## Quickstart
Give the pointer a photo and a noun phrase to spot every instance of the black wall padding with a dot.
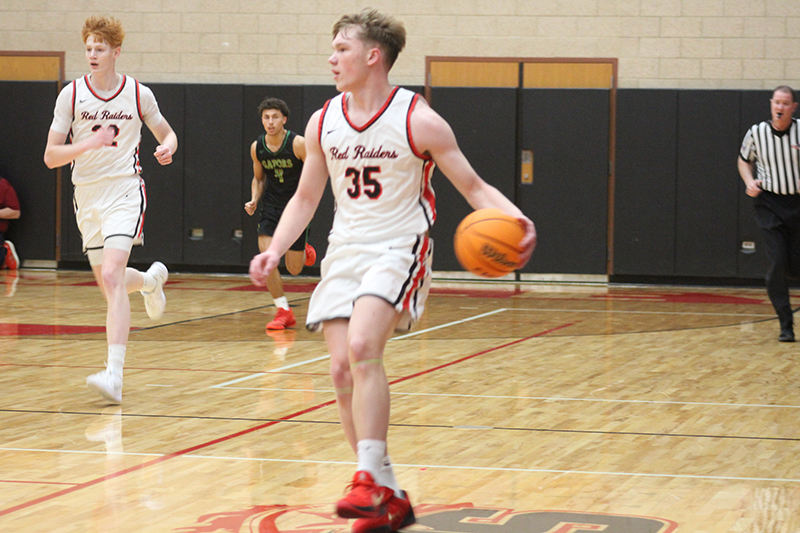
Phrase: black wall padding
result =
(645, 185)
(71, 248)
(484, 123)
(680, 207)
(568, 131)
(755, 108)
(213, 174)
(163, 223)
(25, 116)
(707, 194)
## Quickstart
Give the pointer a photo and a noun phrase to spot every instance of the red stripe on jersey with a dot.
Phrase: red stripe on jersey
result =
(138, 101)
(137, 167)
(121, 87)
(427, 190)
(74, 96)
(408, 129)
(321, 119)
(373, 119)
(423, 253)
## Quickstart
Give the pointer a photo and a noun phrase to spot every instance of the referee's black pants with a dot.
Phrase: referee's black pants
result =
(778, 216)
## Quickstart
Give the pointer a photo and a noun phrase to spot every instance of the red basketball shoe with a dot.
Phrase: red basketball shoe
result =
(284, 318)
(12, 259)
(399, 514)
(311, 255)
(365, 499)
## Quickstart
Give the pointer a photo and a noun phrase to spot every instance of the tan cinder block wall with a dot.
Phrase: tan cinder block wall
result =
(732, 44)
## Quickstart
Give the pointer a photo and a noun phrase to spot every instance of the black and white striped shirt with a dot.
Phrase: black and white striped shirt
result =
(776, 156)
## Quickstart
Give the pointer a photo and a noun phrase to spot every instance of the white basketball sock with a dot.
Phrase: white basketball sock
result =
(282, 302)
(370, 456)
(116, 358)
(386, 476)
(149, 283)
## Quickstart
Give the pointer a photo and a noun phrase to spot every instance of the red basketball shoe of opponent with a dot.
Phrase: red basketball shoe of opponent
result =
(311, 255)
(284, 318)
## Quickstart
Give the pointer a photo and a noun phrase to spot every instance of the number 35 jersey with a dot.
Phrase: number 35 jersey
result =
(81, 110)
(381, 183)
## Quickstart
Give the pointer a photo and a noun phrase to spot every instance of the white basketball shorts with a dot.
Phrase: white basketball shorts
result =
(110, 209)
(398, 270)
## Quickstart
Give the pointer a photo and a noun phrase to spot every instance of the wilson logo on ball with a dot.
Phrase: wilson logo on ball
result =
(496, 256)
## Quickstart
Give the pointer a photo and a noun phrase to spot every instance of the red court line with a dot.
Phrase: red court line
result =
(288, 287)
(506, 345)
(186, 451)
(25, 330)
(157, 460)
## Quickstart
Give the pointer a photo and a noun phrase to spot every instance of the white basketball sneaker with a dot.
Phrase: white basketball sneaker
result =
(108, 384)
(155, 302)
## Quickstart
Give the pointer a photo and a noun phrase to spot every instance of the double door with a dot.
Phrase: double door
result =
(541, 131)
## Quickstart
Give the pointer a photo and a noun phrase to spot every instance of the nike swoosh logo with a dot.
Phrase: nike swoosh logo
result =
(81, 101)
(331, 131)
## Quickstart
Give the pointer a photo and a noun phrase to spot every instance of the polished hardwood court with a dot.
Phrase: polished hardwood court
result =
(528, 407)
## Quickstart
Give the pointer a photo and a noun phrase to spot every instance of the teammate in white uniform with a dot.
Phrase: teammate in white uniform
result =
(102, 113)
(378, 143)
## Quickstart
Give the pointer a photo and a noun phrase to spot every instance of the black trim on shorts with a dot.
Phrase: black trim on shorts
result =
(410, 277)
(314, 326)
(376, 296)
(142, 203)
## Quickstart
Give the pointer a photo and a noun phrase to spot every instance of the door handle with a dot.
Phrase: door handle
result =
(526, 169)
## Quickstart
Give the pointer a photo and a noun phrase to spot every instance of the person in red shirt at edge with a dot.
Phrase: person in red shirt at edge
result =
(9, 210)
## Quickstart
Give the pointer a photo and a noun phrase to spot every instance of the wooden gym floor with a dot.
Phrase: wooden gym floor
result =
(515, 408)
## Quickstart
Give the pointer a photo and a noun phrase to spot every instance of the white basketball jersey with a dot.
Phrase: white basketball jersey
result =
(381, 183)
(122, 111)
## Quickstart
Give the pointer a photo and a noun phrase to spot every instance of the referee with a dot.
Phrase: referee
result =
(772, 148)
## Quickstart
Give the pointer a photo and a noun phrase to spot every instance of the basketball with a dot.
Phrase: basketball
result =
(487, 243)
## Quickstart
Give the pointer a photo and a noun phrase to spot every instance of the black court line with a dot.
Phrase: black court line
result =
(210, 317)
(420, 426)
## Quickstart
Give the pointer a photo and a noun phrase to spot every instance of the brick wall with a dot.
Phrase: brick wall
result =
(751, 44)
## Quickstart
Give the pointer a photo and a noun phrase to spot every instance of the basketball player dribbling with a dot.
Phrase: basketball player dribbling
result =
(103, 113)
(379, 144)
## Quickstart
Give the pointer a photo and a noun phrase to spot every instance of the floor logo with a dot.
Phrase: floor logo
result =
(458, 518)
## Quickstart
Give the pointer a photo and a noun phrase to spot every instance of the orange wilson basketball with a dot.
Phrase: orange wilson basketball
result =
(487, 243)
